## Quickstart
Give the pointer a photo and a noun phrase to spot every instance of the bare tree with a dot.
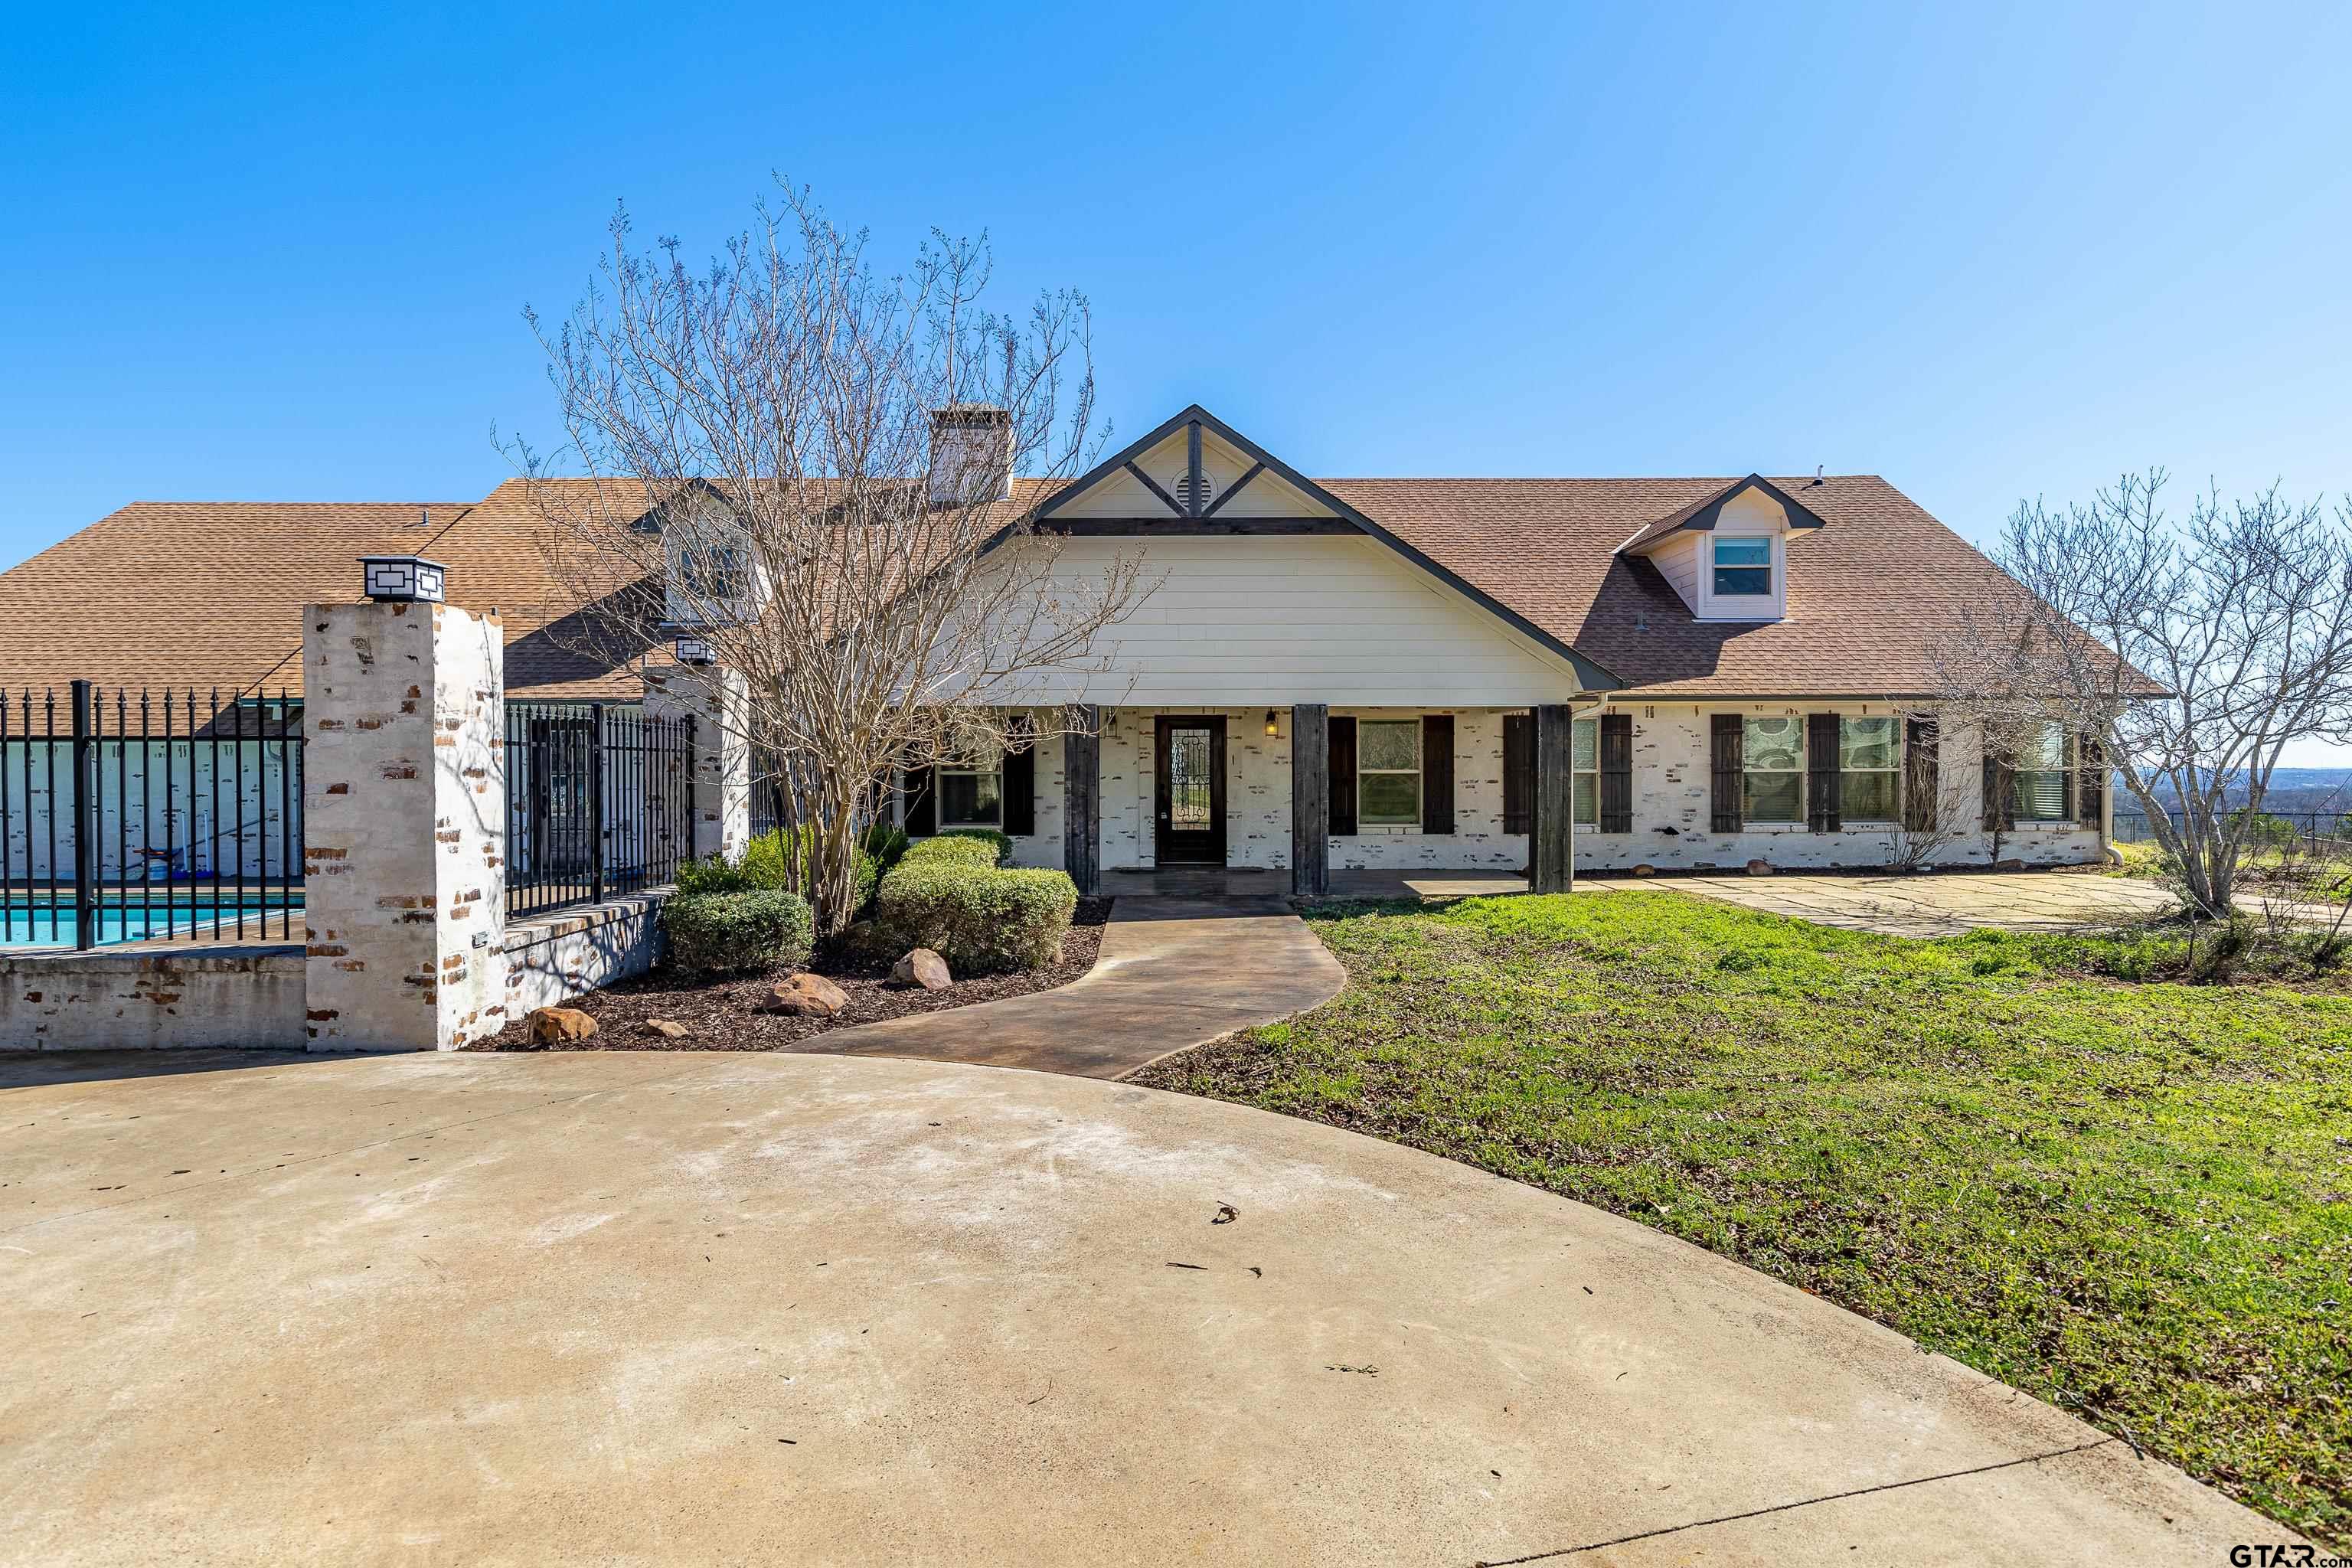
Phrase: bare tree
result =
(2191, 652)
(810, 466)
(1933, 817)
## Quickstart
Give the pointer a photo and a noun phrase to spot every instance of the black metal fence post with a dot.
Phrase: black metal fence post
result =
(596, 807)
(693, 767)
(85, 818)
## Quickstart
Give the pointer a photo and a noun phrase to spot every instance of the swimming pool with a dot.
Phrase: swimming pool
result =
(44, 925)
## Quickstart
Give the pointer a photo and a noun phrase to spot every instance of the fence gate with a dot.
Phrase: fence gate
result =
(141, 815)
(600, 801)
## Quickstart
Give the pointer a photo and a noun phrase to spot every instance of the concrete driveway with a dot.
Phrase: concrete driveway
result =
(837, 1309)
(1945, 905)
(808, 1310)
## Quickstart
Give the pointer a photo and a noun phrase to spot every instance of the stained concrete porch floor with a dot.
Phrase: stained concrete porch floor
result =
(639, 1308)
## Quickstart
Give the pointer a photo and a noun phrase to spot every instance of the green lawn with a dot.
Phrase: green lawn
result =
(2134, 1200)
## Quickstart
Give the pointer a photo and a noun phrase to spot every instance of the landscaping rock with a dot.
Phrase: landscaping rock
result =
(2008, 865)
(1645, 870)
(560, 1026)
(1759, 867)
(668, 1029)
(806, 996)
(924, 968)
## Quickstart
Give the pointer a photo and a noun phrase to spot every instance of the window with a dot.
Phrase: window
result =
(973, 796)
(1774, 764)
(1743, 567)
(1388, 773)
(1870, 751)
(2039, 792)
(1584, 769)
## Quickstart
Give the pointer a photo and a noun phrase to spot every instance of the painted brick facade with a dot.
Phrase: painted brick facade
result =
(405, 822)
(1671, 790)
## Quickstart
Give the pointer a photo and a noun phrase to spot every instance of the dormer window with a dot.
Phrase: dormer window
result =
(1743, 567)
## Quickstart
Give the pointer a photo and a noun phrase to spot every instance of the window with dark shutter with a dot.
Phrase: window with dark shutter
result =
(1616, 773)
(1519, 772)
(1822, 790)
(1343, 776)
(1020, 779)
(1920, 775)
(1726, 752)
(1437, 773)
(2091, 806)
(1999, 782)
(922, 804)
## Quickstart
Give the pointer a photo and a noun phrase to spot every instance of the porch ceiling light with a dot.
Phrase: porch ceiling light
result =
(1271, 727)
(393, 579)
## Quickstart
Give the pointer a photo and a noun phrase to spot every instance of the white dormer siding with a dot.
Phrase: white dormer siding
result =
(1688, 563)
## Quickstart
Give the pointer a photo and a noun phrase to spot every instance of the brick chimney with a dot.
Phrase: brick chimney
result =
(972, 454)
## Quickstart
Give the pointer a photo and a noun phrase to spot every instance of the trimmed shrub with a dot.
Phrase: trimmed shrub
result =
(731, 933)
(712, 874)
(979, 918)
(1003, 846)
(885, 843)
(766, 865)
(949, 849)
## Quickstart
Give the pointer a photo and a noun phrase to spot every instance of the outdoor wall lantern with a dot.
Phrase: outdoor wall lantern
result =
(1272, 728)
(393, 579)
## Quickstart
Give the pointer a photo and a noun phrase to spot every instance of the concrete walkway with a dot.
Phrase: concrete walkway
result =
(1173, 973)
(640, 1307)
(1948, 905)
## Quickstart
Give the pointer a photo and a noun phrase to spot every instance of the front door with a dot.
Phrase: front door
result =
(1192, 793)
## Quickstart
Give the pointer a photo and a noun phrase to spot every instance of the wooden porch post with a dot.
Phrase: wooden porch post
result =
(1552, 860)
(1310, 799)
(1082, 798)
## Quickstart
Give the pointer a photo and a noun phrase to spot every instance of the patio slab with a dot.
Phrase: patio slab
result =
(1951, 904)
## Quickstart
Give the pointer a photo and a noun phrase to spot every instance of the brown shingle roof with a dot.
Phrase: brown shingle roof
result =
(210, 592)
(1865, 591)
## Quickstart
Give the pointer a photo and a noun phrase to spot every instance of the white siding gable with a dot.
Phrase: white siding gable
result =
(1258, 619)
(1120, 494)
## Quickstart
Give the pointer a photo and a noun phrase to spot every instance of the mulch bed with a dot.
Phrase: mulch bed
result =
(724, 1014)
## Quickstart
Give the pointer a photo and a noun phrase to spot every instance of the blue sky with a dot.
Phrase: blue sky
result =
(1986, 251)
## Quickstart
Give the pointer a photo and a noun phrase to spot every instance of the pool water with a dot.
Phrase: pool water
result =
(25, 926)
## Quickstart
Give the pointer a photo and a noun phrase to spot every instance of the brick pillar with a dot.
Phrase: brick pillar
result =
(717, 700)
(403, 826)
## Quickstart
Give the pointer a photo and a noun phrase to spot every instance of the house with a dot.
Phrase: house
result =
(1404, 674)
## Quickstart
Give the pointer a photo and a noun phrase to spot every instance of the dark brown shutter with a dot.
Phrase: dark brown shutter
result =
(2094, 792)
(1437, 773)
(1518, 773)
(1727, 747)
(1999, 810)
(1616, 773)
(1020, 779)
(922, 805)
(1343, 776)
(1920, 775)
(1824, 795)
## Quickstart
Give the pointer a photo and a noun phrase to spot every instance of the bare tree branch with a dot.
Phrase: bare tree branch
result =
(813, 465)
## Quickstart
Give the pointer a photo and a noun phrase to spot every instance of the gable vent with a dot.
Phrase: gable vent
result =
(1180, 487)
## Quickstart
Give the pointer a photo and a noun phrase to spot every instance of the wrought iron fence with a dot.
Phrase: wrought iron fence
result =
(2316, 831)
(143, 816)
(600, 801)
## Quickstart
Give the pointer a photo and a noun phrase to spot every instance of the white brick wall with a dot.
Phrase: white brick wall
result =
(1670, 803)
